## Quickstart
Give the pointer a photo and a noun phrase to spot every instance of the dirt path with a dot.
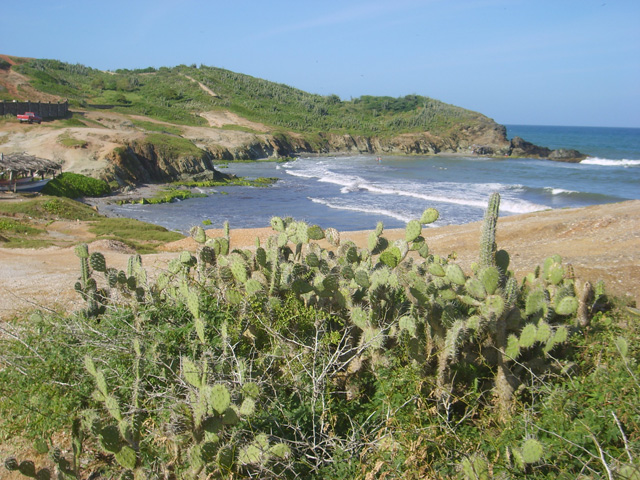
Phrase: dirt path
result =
(601, 242)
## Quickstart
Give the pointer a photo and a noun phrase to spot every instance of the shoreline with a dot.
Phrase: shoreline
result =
(601, 242)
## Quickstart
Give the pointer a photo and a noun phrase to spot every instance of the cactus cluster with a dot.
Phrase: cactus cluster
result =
(118, 284)
(389, 294)
(121, 435)
(212, 414)
(393, 292)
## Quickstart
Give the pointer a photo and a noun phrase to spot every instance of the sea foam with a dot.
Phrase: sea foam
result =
(362, 209)
(610, 163)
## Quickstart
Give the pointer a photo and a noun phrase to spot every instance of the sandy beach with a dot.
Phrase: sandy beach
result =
(602, 242)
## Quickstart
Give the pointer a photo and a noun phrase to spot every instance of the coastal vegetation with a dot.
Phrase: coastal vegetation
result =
(186, 189)
(24, 224)
(297, 360)
(68, 141)
(75, 185)
(179, 94)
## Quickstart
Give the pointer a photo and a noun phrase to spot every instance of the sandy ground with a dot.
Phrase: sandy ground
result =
(601, 242)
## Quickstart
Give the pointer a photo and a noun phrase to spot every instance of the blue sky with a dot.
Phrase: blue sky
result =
(536, 62)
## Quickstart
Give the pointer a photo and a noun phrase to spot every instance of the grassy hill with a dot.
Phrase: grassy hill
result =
(179, 94)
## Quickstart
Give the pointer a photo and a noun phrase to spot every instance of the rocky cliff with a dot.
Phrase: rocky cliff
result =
(146, 162)
(488, 140)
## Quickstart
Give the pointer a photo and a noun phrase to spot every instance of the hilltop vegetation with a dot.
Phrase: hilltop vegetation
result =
(179, 94)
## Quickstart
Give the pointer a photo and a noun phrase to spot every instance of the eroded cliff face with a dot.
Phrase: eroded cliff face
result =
(144, 162)
(480, 139)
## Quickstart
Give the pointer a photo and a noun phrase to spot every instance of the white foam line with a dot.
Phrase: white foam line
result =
(559, 191)
(350, 184)
(609, 162)
(376, 211)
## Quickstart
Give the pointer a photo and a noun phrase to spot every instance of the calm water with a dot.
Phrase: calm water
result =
(355, 192)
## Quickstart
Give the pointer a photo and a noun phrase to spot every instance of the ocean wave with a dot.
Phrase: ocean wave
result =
(610, 163)
(473, 195)
(559, 191)
(363, 209)
(296, 173)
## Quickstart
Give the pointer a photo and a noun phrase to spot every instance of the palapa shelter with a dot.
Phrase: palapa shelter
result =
(18, 171)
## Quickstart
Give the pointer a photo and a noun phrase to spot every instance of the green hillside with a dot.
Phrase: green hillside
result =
(174, 95)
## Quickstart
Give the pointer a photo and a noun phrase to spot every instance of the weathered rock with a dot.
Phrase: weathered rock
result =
(141, 162)
(567, 155)
(522, 148)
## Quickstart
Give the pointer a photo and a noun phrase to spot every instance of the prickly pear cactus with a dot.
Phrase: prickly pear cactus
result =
(97, 262)
(412, 230)
(333, 236)
(488, 239)
(430, 215)
(198, 234)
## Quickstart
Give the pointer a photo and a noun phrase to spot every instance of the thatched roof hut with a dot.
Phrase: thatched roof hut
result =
(15, 167)
(23, 163)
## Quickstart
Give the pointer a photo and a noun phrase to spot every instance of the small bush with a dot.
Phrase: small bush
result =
(74, 185)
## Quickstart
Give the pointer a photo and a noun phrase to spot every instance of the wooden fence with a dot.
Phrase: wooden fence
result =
(44, 110)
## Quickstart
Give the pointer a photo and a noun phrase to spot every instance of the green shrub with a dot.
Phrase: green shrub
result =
(74, 185)
(49, 208)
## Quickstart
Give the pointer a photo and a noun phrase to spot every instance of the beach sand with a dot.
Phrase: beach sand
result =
(601, 242)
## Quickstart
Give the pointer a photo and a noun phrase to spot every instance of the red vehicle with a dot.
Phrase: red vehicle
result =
(29, 117)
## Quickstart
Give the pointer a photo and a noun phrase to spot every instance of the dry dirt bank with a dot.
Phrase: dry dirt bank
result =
(601, 242)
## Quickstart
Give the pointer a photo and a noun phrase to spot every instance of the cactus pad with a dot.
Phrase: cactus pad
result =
(126, 457)
(412, 231)
(251, 454)
(198, 234)
(280, 450)
(333, 236)
(513, 347)
(430, 215)
(475, 288)
(219, 398)
(372, 241)
(251, 389)
(493, 306)
(567, 306)
(11, 464)
(455, 274)
(536, 301)
(253, 286)
(359, 317)
(408, 324)
(248, 407)
(389, 258)
(490, 278)
(82, 250)
(97, 262)
(362, 278)
(531, 451)
(543, 332)
(436, 269)
(315, 232)
(109, 438)
(527, 336)
(239, 270)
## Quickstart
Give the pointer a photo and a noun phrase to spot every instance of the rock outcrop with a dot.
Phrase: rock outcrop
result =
(522, 148)
(144, 162)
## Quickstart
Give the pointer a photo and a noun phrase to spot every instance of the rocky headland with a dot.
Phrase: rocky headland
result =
(131, 148)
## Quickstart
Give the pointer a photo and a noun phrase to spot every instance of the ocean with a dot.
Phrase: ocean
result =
(355, 192)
